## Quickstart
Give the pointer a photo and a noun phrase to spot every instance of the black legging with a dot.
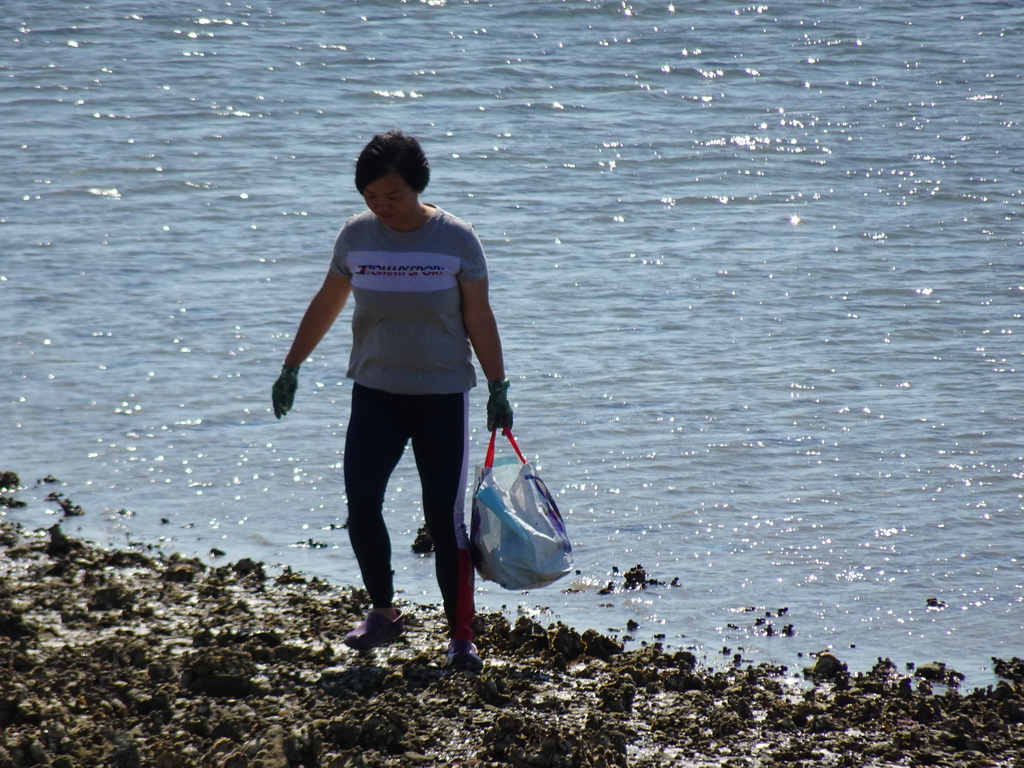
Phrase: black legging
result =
(380, 427)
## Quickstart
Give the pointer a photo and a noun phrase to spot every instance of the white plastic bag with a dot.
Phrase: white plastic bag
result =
(517, 536)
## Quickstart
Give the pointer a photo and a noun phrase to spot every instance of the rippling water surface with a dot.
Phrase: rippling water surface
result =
(757, 267)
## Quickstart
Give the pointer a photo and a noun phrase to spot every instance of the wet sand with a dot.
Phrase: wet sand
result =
(131, 658)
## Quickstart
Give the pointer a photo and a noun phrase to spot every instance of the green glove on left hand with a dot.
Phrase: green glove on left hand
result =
(284, 389)
(499, 412)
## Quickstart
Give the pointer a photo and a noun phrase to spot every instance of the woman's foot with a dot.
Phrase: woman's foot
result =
(463, 655)
(377, 630)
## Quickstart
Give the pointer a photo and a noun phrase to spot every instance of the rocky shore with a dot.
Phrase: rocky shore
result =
(129, 658)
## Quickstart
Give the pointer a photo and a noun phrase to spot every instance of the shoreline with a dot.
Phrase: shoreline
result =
(130, 658)
(771, 631)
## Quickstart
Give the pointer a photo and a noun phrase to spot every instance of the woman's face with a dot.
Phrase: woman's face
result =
(395, 203)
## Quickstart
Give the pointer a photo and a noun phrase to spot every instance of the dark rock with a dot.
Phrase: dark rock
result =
(600, 646)
(115, 597)
(9, 481)
(637, 578)
(221, 673)
(246, 567)
(937, 672)
(826, 667)
(1012, 670)
(424, 542)
(60, 545)
(13, 624)
(68, 507)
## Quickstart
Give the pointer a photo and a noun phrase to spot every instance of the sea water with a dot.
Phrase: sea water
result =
(757, 267)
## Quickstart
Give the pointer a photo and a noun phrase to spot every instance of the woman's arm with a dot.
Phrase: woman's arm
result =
(323, 310)
(482, 329)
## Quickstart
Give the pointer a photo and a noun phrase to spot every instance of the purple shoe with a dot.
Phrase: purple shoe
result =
(463, 655)
(375, 631)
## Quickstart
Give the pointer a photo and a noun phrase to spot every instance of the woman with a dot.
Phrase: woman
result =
(418, 278)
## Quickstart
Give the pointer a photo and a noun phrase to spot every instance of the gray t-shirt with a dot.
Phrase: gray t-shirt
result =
(407, 332)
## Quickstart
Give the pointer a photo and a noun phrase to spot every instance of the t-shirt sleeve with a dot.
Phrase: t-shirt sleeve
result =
(474, 263)
(339, 262)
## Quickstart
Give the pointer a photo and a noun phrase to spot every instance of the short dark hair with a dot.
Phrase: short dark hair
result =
(393, 152)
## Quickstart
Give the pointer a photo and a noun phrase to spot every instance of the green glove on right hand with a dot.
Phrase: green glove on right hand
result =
(284, 389)
(499, 412)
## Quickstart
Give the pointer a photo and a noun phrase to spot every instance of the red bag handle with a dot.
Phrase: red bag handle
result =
(489, 458)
